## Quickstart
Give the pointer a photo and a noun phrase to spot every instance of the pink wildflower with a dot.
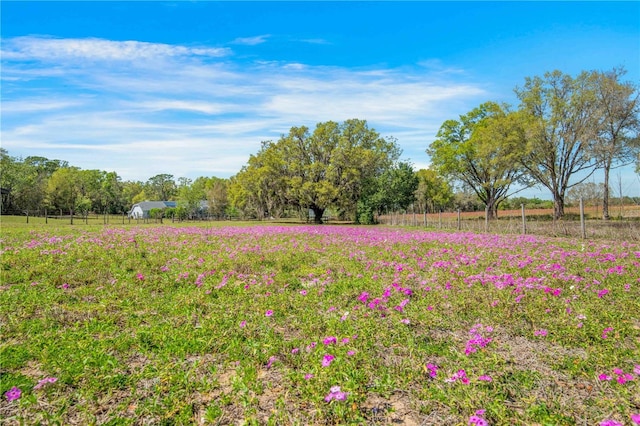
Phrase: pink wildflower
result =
(478, 419)
(542, 332)
(44, 381)
(610, 422)
(459, 375)
(335, 393)
(432, 369)
(13, 394)
(327, 359)
(329, 340)
(635, 418)
(271, 361)
(268, 313)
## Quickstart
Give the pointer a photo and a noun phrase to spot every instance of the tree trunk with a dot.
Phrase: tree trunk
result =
(317, 214)
(605, 197)
(491, 208)
(558, 205)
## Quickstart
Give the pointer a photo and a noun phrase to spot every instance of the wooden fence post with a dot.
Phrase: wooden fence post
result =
(582, 224)
(524, 220)
(486, 219)
(458, 219)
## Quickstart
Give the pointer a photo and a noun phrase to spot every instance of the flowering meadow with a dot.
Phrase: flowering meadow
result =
(315, 325)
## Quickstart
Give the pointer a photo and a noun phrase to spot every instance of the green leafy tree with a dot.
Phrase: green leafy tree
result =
(433, 192)
(393, 190)
(480, 150)
(112, 193)
(398, 186)
(618, 138)
(90, 185)
(64, 189)
(10, 177)
(161, 187)
(190, 196)
(133, 192)
(330, 167)
(562, 128)
(26, 180)
(259, 189)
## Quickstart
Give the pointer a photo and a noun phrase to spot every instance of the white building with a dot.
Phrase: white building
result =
(141, 210)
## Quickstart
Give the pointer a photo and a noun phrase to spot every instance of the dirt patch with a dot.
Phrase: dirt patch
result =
(398, 409)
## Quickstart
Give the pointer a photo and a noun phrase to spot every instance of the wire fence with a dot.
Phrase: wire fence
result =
(577, 223)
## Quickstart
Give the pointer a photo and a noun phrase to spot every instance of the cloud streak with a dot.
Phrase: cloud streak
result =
(251, 41)
(55, 49)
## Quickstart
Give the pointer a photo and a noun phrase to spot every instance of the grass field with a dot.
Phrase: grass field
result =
(315, 325)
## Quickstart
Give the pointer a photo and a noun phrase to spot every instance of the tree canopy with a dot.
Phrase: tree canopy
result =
(562, 129)
(481, 150)
(329, 167)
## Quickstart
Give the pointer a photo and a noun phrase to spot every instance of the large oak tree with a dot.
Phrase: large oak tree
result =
(329, 167)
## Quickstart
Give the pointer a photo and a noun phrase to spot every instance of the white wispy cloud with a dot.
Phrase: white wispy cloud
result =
(200, 113)
(251, 41)
(36, 105)
(55, 49)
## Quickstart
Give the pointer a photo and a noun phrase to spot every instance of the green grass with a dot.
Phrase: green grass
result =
(168, 325)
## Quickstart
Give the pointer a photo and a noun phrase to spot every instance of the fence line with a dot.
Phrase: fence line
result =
(521, 221)
(532, 222)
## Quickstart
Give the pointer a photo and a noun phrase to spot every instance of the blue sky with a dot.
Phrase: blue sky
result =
(192, 88)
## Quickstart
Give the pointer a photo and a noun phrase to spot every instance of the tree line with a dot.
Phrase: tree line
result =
(36, 183)
(564, 129)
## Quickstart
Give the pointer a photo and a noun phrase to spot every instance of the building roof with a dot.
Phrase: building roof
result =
(148, 205)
